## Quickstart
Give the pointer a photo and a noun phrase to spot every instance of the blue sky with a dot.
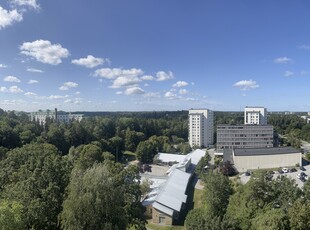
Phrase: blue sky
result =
(144, 55)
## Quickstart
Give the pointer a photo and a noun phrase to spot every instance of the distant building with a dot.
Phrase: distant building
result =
(62, 117)
(244, 136)
(255, 116)
(201, 130)
(264, 158)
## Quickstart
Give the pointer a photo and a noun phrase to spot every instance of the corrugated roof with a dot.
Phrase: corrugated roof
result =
(264, 151)
(163, 208)
(196, 155)
(169, 157)
(173, 194)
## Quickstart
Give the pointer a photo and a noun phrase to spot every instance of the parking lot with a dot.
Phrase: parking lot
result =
(293, 175)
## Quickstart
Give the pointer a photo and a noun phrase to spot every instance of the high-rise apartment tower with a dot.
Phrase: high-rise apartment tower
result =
(255, 116)
(201, 127)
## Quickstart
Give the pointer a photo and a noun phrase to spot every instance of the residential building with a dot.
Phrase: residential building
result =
(244, 136)
(42, 116)
(264, 158)
(201, 127)
(255, 116)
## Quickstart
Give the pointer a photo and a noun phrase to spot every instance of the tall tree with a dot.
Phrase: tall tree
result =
(102, 197)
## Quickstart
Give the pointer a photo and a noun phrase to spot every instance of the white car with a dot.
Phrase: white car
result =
(306, 177)
(285, 170)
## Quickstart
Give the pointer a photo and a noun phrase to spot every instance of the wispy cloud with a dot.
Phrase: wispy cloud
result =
(57, 97)
(33, 82)
(44, 51)
(28, 3)
(3, 66)
(68, 85)
(90, 61)
(11, 79)
(33, 70)
(282, 60)
(288, 73)
(183, 91)
(304, 72)
(304, 47)
(7, 17)
(246, 84)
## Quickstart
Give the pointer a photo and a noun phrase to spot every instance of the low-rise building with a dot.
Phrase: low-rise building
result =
(171, 200)
(42, 116)
(263, 158)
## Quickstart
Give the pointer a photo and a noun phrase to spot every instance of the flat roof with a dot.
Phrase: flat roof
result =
(264, 151)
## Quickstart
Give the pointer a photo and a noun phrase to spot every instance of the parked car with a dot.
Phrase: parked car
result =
(285, 170)
(301, 175)
(247, 173)
(293, 170)
(306, 177)
(302, 168)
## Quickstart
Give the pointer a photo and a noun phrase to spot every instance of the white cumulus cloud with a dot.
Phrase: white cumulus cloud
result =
(134, 90)
(3, 66)
(68, 85)
(180, 84)
(147, 78)
(44, 51)
(11, 79)
(170, 95)
(30, 94)
(282, 60)
(163, 76)
(125, 81)
(110, 73)
(90, 61)
(246, 84)
(7, 18)
(15, 89)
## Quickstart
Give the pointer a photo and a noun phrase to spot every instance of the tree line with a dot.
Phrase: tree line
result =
(262, 203)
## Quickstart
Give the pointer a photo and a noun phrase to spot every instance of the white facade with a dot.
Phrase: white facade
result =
(41, 116)
(265, 158)
(201, 127)
(255, 116)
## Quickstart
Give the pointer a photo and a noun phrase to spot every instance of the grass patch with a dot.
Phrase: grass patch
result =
(129, 156)
(152, 226)
(198, 198)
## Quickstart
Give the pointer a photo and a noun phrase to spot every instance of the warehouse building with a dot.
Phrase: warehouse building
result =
(264, 158)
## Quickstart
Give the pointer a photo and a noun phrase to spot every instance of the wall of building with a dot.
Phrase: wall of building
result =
(255, 115)
(157, 217)
(201, 128)
(244, 136)
(243, 163)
